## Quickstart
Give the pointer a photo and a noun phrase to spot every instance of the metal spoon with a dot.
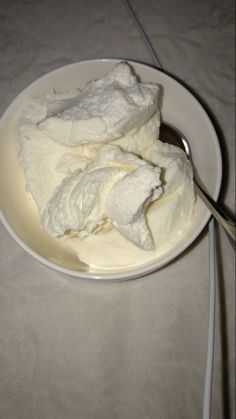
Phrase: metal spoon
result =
(174, 136)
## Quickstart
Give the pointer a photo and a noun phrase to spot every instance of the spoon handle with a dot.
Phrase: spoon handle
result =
(227, 224)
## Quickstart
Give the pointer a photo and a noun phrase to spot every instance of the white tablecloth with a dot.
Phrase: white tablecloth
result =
(75, 349)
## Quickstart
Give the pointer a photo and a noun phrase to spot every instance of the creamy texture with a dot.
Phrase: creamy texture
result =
(117, 187)
(108, 108)
(98, 174)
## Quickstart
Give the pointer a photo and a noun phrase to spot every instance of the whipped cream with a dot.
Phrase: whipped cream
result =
(107, 109)
(117, 187)
(102, 182)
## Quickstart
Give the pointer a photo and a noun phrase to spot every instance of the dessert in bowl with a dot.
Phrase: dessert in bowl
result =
(87, 188)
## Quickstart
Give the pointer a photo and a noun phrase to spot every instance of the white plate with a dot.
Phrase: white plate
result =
(178, 106)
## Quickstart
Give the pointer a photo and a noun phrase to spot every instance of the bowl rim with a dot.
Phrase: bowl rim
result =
(149, 267)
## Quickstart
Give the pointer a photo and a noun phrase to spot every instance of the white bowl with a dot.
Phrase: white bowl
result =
(178, 106)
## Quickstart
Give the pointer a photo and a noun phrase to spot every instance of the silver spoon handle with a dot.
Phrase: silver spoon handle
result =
(228, 225)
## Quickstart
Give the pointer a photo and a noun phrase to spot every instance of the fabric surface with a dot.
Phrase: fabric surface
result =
(75, 349)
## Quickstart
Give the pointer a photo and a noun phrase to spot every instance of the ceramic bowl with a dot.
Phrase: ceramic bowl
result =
(179, 107)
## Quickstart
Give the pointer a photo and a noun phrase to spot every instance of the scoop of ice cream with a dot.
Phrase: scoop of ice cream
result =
(117, 187)
(107, 109)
